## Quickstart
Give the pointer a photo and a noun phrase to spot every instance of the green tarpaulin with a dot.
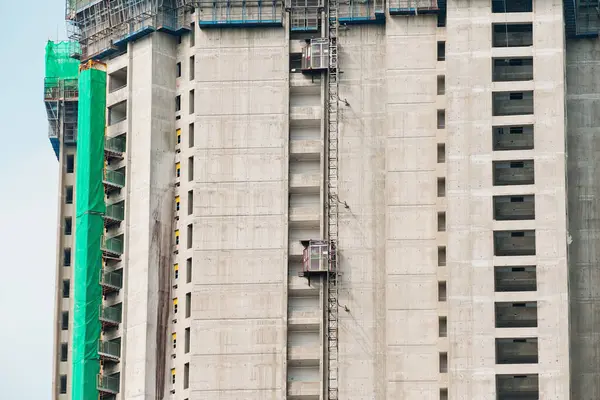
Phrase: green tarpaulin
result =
(90, 207)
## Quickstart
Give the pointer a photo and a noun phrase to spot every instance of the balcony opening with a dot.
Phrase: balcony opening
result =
(514, 208)
(441, 153)
(518, 172)
(441, 84)
(443, 394)
(514, 243)
(515, 279)
(191, 102)
(442, 291)
(188, 305)
(517, 387)
(517, 351)
(512, 103)
(512, 6)
(512, 69)
(186, 343)
(512, 35)
(516, 315)
(443, 363)
(190, 168)
(186, 376)
(117, 80)
(441, 222)
(441, 119)
(192, 68)
(443, 327)
(117, 113)
(191, 135)
(441, 187)
(513, 137)
(188, 270)
(190, 235)
(441, 51)
(441, 256)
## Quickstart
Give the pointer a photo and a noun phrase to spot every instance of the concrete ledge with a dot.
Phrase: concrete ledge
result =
(306, 148)
(301, 113)
(307, 390)
(307, 355)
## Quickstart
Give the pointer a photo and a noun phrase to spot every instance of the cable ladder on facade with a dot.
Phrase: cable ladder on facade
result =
(333, 202)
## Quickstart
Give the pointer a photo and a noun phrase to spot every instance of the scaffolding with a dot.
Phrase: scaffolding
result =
(305, 15)
(587, 18)
(61, 93)
(413, 7)
(240, 13)
(361, 12)
(104, 27)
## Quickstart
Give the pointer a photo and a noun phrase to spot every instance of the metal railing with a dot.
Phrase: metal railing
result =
(112, 314)
(115, 211)
(108, 383)
(111, 278)
(114, 177)
(115, 144)
(110, 348)
(114, 245)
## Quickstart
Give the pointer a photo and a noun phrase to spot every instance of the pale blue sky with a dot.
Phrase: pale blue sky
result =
(28, 201)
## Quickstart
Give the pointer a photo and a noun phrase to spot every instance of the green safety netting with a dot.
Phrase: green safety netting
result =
(90, 207)
(59, 63)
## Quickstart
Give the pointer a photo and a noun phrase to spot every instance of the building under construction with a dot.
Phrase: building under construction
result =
(327, 199)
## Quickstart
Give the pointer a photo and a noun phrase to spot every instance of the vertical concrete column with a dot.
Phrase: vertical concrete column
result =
(150, 145)
(361, 180)
(410, 197)
(240, 214)
(470, 251)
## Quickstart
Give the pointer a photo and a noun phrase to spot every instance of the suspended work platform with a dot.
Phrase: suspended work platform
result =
(241, 13)
(413, 7)
(354, 12)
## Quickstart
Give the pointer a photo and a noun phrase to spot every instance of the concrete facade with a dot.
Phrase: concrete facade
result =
(225, 172)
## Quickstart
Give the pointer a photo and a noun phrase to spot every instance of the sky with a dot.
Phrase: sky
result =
(28, 200)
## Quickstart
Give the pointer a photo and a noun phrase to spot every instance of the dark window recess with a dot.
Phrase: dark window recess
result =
(188, 305)
(512, 69)
(64, 352)
(67, 257)
(64, 320)
(296, 62)
(514, 243)
(66, 288)
(178, 103)
(513, 208)
(513, 172)
(516, 315)
(70, 161)
(512, 35)
(516, 96)
(517, 387)
(69, 195)
(512, 6)
(192, 68)
(178, 69)
(191, 135)
(512, 137)
(63, 384)
(515, 279)
(441, 51)
(68, 225)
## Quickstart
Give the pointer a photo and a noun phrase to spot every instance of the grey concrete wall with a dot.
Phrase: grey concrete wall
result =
(583, 101)
(410, 213)
(150, 179)
(362, 226)
(471, 259)
(240, 215)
